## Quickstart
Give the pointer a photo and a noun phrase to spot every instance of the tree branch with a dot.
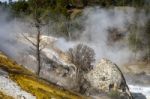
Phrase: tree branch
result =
(28, 40)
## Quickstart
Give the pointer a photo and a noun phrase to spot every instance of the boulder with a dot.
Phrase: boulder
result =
(105, 76)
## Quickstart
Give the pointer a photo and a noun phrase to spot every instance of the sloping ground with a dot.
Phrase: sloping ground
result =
(4, 96)
(32, 84)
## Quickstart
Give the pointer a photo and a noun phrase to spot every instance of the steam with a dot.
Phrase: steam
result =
(8, 41)
(96, 23)
(10, 31)
(96, 32)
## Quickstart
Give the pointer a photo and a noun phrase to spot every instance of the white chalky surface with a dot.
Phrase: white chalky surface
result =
(145, 90)
(7, 86)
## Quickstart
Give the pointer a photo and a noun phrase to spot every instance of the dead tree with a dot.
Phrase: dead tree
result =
(38, 49)
(127, 90)
(83, 58)
(37, 23)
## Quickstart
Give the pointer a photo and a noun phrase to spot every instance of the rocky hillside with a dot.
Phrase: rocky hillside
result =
(16, 82)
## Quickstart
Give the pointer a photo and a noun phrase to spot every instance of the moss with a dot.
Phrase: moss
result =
(41, 89)
(114, 95)
(3, 96)
(33, 84)
(117, 95)
(12, 66)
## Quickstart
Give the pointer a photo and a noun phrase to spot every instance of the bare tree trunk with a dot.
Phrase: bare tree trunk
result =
(123, 3)
(67, 28)
(148, 56)
(38, 50)
(135, 45)
(37, 23)
(126, 86)
(38, 27)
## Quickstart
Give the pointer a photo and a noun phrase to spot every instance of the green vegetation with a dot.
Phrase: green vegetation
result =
(134, 40)
(61, 12)
(114, 95)
(138, 39)
(61, 6)
(64, 12)
(146, 40)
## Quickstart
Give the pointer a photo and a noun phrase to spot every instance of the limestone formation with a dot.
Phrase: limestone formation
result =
(106, 76)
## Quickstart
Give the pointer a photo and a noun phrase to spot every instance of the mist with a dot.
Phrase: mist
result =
(96, 33)
(11, 30)
(96, 23)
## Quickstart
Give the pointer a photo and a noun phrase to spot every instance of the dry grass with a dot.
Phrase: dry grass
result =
(4, 96)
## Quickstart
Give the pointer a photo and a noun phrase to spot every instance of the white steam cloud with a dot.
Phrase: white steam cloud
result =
(96, 28)
(96, 22)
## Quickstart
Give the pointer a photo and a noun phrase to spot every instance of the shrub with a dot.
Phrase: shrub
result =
(114, 95)
(82, 56)
(117, 95)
